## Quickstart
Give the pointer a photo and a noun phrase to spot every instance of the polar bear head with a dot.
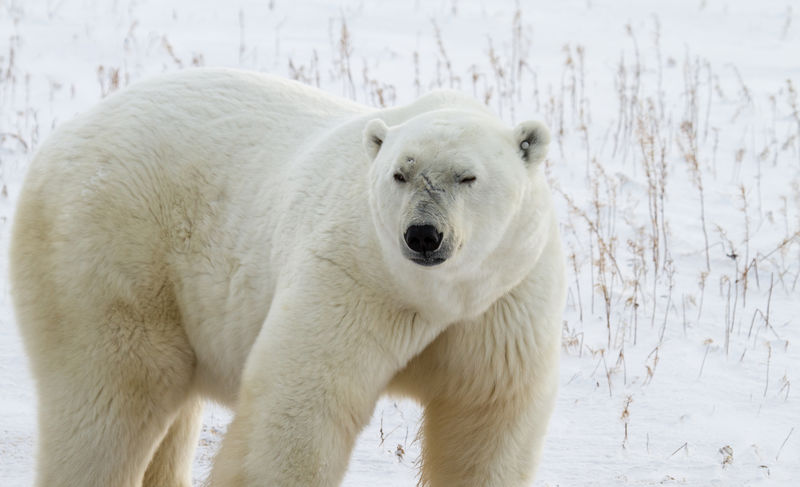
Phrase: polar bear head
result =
(448, 185)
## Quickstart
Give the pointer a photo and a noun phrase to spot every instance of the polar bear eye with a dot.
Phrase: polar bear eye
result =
(399, 177)
(467, 180)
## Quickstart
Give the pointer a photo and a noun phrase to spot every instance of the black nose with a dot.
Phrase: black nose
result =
(423, 238)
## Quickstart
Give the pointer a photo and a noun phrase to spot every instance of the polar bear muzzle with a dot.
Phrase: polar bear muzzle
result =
(424, 245)
(423, 238)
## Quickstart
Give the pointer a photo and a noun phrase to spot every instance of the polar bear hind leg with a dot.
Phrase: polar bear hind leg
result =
(111, 400)
(113, 365)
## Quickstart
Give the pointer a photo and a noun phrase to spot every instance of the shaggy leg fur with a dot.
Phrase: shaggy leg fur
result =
(488, 388)
(171, 466)
(102, 417)
(495, 444)
(309, 387)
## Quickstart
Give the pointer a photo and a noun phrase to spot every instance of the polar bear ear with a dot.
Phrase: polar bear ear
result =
(373, 136)
(532, 140)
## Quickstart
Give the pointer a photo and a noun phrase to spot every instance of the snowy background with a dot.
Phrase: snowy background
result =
(676, 168)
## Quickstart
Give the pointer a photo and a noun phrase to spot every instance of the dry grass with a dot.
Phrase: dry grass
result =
(620, 257)
(666, 148)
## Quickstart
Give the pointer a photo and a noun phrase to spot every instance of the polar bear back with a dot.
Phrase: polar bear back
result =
(191, 190)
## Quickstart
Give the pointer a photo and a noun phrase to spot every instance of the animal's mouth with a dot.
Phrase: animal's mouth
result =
(427, 261)
(429, 258)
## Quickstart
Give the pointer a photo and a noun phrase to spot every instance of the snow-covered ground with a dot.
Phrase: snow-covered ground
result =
(676, 164)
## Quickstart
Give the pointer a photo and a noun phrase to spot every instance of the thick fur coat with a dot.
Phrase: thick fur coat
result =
(234, 236)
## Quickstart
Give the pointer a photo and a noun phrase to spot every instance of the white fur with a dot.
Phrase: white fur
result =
(227, 235)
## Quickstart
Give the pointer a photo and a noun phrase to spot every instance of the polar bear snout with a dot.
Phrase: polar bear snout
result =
(424, 245)
(423, 238)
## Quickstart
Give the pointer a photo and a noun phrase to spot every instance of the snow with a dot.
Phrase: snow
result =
(684, 375)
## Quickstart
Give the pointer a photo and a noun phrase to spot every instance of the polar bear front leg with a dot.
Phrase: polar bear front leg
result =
(309, 386)
(488, 388)
(490, 444)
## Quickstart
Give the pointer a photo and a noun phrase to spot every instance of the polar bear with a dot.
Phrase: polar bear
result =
(225, 235)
